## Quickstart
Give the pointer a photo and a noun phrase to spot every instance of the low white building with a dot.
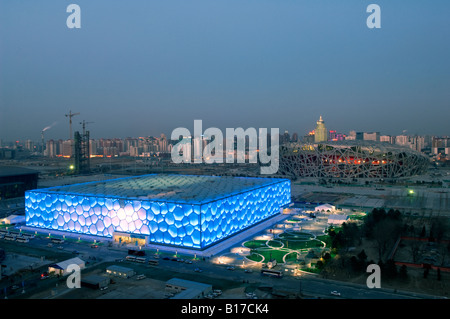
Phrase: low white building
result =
(120, 271)
(61, 267)
(186, 289)
(325, 208)
(13, 219)
(337, 219)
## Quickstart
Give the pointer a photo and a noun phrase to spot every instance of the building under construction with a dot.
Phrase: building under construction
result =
(81, 153)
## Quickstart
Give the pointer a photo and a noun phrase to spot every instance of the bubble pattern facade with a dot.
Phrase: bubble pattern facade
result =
(191, 225)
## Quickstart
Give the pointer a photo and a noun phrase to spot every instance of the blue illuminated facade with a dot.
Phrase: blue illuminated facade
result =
(197, 214)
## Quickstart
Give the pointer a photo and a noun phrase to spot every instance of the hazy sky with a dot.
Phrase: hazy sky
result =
(139, 68)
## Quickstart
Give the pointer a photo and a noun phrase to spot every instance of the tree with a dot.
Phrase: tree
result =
(337, 241)
(319, 264)
(423, 232)
(394, 214)
(362, 255)
(390, 269)
(381, 264)
(331, 232)
(439, 227)
(403, 274)
(385, 233)
(415, 249)
(355, 263)
(378, 214)
(350, 232)
(411, 230)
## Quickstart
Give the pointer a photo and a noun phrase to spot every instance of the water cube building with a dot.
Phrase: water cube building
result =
(179, 210)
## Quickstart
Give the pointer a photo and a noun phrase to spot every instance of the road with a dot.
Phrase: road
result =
(309, 285)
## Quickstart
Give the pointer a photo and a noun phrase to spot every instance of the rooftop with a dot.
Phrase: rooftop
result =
(64, 264)
(15, 170)
(358, 145)
(119, 268)
(192, 288)
(193, 189)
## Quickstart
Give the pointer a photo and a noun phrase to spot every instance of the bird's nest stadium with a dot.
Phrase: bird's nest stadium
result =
(350, 159)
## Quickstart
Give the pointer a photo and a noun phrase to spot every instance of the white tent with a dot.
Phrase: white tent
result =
(14, 219)
(337, 219)
(324, 208)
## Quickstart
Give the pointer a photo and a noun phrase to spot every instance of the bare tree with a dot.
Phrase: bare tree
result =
(414, 249)
(385, 234)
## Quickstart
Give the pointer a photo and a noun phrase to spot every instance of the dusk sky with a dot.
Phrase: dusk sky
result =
(141, 68)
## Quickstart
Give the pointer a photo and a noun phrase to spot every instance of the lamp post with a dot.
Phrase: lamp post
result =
(300, 285)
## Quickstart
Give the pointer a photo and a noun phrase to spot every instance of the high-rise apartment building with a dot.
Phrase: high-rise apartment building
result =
(387, 139)
(320, 133)
(67, 148)
(371, 136)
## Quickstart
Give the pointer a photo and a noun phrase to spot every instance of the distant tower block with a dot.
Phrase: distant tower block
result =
(320, 133)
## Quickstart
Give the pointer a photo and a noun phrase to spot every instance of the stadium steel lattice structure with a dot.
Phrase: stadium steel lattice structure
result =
(350, 159)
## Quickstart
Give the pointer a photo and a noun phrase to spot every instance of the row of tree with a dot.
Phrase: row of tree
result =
(384, 228)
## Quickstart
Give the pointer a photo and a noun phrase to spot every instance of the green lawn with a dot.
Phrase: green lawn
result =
(294, 241)
(356, 217)
(252, 244)
(296, 245)
(326, 239)
(255, 257)
(275, 243)
(274, 253)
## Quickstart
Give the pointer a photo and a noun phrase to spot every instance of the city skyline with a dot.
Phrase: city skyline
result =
(331, 134)
(145, 68)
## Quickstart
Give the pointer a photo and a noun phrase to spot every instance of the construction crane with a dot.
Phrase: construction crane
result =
(84, 123)
(70, 115)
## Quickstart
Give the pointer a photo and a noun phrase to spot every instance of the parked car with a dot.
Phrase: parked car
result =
(335, 293)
